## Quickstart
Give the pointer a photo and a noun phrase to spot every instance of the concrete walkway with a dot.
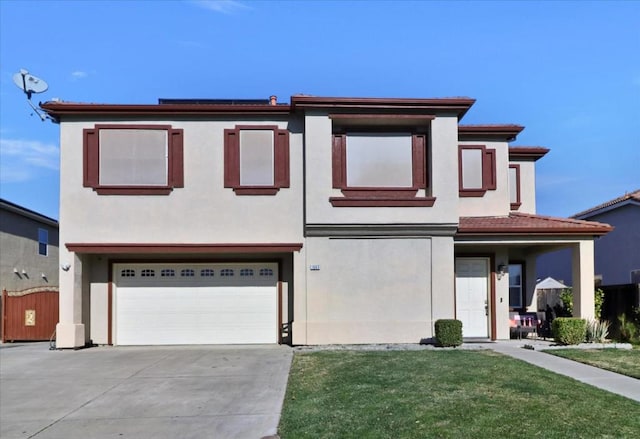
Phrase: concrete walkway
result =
(603, 379)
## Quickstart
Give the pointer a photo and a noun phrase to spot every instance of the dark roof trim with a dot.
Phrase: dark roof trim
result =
(167, 101)
(28, 213)
(124, 248)
(529, 153)
(58, 109)
(430, 105)
(506, 132)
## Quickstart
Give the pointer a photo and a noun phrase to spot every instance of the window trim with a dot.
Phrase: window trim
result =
(489, 182)
(45, 242)
(281, 171)
(522, 286)
(356, 196)
(518, 203)
(91, 161)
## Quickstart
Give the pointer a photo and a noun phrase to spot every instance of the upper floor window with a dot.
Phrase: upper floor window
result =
(380, 169)
(476, 170)
(133, 159)
(256, 159)
(514, 187)
(43, 242)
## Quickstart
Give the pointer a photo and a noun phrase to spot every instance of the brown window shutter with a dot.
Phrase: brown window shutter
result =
(91, 157)
(419, 161)
(176, 157)
(489, 170)
(281, 159)
(231, 158)
(338, 164)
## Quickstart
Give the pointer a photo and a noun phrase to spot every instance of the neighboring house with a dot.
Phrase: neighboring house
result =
(617, 255)
(28, 248)
(28, 273)
(326, 220)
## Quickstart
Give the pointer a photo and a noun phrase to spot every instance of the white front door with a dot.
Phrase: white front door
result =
(472, 287)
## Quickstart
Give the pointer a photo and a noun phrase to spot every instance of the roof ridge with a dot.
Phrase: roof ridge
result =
(557, 218)
(627, 196)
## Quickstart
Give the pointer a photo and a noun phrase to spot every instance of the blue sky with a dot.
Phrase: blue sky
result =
(568, 71)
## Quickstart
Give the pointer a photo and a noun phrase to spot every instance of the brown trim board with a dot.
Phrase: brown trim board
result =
(123, 248)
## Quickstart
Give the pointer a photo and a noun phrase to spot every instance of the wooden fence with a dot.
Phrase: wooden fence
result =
(29, 315)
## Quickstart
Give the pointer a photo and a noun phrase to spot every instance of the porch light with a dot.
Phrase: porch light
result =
(502, 270)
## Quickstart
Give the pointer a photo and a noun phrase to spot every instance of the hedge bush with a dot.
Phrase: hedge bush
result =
(569, 330)
(448, 332)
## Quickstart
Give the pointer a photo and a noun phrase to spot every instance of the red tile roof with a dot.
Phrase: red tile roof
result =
(633, 196)
(521, 224)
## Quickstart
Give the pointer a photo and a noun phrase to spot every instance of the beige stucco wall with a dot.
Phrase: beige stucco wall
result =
(201, 212)
(368, 290)
(444, 156)
(501, 305)
(97, 296)
(527, 185)
(493, 202)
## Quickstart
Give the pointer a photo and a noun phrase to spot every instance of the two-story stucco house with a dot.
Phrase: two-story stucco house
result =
(29, 248)
(325, 220)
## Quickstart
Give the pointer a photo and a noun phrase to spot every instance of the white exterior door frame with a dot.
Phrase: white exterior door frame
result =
(474, 295)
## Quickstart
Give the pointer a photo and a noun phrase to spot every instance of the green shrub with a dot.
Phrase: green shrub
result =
(597, 331)
(567, 301)
(569, 330)
(598, 301)
(448, 332)
(628, 329)
(566, 296)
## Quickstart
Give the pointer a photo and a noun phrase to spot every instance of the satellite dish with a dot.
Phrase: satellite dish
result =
(30, 84)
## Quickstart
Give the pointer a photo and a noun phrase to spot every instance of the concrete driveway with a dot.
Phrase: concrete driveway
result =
(142, 392)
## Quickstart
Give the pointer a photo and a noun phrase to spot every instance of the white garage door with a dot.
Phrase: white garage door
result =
(164, 304)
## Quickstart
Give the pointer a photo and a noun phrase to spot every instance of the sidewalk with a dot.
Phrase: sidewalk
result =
(603, 379)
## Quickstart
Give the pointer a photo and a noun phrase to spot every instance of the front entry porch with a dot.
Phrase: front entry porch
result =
(508, 248)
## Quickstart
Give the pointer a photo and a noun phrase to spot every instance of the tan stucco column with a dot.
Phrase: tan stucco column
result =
(443, 304)
(70, 329)
(502, 296)
(583, 282)
(299, 324)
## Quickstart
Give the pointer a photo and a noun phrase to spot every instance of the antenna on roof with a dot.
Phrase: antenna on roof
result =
(30, 84)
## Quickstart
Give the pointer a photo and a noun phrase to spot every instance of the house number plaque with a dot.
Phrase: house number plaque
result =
(30, 317)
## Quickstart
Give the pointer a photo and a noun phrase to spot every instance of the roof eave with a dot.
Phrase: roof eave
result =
(527, 153)
(506, 132)
(459, 105)
(528, 232)
(59, 109)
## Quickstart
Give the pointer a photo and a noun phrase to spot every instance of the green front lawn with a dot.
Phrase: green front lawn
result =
(444, 394)
(626, 362)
